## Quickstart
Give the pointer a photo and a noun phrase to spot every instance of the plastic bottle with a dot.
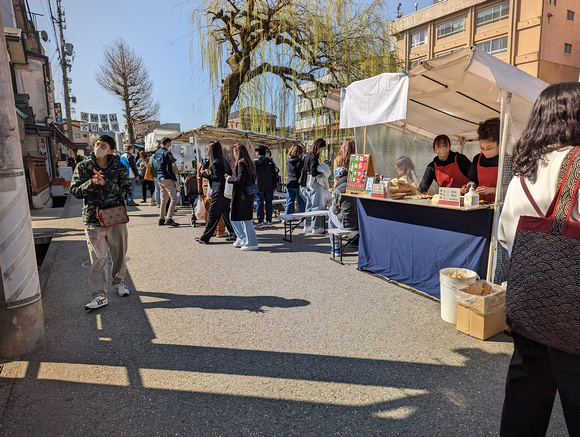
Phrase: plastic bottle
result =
(471, 198)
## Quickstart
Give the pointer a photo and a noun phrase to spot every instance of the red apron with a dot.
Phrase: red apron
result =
(450, 176)
(487, 176)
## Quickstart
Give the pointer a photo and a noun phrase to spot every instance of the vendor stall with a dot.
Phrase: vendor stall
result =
(410, 240)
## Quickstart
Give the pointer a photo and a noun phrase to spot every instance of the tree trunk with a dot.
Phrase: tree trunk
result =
(229, 93)
(129, 121)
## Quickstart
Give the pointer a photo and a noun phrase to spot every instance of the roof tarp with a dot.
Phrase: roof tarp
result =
(212, 133)
(446, 95)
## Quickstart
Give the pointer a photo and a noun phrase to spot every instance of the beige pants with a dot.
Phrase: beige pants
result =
(168, 191)
(100, 242)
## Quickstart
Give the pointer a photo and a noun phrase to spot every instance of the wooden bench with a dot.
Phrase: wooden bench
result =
(340, 239)
(292, 221)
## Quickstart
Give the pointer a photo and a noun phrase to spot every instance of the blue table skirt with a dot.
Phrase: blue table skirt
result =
(412, 243)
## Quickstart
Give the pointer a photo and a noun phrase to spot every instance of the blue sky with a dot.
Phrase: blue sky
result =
(160, 31)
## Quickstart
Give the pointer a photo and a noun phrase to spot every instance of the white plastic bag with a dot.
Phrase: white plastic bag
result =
(200, 210)
(228, 190)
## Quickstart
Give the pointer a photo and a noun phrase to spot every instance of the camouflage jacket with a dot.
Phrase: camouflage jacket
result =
(117, 186)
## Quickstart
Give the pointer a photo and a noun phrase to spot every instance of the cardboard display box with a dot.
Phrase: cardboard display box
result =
(480, 310)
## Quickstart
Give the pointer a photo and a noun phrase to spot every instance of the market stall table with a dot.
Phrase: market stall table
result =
(411, 240)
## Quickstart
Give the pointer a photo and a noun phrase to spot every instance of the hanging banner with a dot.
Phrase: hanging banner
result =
(85, 116)
(94, 118)
(104, 118)
(84, 127)
(94, 127)
(115, 127)
(105, 126)
(113, 118)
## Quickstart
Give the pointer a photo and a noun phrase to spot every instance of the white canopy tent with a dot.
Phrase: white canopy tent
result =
(446, 95)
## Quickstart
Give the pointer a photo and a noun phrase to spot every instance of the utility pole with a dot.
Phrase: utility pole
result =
(21, 315)
(64, 65)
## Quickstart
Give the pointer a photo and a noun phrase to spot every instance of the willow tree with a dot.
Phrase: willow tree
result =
(248, 45)
(123, 73)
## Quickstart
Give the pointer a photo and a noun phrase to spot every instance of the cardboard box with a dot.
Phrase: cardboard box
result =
(480, 310)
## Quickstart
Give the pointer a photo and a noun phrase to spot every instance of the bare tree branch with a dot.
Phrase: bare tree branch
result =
(122, 73)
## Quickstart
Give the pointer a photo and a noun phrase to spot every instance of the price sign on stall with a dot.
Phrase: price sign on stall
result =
(450, 196)
(361, 167)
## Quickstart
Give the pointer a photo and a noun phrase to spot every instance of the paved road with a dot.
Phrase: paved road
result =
(216, 341)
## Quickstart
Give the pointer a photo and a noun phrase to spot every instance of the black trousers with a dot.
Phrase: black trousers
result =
(535, 373)
(148, 185)
(219, 206)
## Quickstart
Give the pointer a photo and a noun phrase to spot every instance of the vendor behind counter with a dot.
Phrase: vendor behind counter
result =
(449, 169)
(485, 164)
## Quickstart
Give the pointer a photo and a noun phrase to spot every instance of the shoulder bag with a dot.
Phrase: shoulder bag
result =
(112, 216)
(543, 286)
(253, 189)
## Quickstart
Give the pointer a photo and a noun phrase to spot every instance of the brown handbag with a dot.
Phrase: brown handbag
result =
(112, 216)
(148, 173)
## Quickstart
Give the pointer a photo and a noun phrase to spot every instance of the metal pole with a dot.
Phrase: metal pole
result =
(64, 65)
(21, 315)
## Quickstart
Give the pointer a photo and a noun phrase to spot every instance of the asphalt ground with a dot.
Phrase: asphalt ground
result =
(214, 341)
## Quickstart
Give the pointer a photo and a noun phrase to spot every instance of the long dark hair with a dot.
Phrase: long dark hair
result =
(406, 164)
(244, 156)
(347, 149)
(216, 153)
(554, 123)
(317, 147)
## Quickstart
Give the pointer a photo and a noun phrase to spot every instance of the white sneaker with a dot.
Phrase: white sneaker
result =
(246, 247)
(239, 242)
(318, 230)
(97, 302)
(122, 290)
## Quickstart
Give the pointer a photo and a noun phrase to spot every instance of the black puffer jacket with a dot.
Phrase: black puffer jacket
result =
(266, 174)
(294, 168)
(344, 207)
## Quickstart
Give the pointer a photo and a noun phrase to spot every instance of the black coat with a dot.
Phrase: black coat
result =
(217, 177)
(242, 202)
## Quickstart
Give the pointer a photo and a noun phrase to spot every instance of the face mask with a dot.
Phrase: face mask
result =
(100, 153)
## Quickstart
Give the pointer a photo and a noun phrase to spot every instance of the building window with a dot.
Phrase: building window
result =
(416, 62)
(568, 48)
(494, 47)
(493, 14)
(552, 2)
(451, 28)
(570, 15)
(419, 38)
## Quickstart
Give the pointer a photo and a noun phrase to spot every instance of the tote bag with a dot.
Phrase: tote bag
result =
(543, 286)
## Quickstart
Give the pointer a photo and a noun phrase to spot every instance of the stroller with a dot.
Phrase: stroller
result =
(191, 194)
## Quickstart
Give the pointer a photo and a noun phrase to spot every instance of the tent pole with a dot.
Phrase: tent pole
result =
(365, 142)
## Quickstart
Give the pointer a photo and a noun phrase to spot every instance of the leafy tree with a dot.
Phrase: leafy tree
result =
(293, 41)
(122, 73)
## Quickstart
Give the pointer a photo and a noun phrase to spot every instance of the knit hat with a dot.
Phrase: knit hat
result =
(340, 172)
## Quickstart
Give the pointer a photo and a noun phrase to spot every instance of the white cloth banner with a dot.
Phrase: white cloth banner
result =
(379, 99)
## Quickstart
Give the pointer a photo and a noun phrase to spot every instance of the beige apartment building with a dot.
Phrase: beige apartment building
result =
(540, 37)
